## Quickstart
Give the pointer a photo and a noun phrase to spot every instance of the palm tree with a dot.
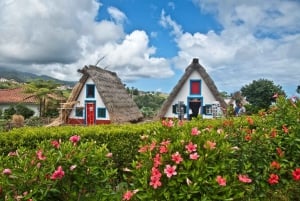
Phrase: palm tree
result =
(43, 90)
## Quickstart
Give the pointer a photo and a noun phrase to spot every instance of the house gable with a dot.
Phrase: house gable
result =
(195, 85)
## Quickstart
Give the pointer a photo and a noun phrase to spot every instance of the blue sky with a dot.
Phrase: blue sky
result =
(149, 43)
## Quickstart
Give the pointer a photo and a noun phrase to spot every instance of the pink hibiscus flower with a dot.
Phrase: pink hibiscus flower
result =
(170, 170)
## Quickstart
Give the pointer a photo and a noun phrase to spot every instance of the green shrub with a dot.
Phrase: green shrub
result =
(59, 170)
(241, 158)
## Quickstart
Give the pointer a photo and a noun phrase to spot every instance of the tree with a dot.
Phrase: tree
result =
(24, 111)
(298, 89)
(42, 90)
(260, 93)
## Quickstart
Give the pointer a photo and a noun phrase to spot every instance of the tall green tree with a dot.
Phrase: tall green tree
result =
(42, 90)
(260, 93)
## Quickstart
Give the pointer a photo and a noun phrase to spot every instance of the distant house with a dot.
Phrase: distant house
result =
(195, 94)
(99, 98)
(12, 97)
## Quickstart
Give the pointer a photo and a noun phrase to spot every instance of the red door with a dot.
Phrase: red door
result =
(90, 113)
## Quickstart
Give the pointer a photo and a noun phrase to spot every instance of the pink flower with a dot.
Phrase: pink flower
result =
(165, 142)
(127, 195)
(155, 183)
(244, 178)
(163, 149)
(13, 153)
(73, 167)
(75, 139)
(195, 131)
(143, 149)
(191, 147)
(296, 174)
(157, 160)
(55, 144)
(109, 155)
(58, 173)
(155, 178)
(209, 145)
(40, 156)
(194, 156)
(221, 181)
(177, 158)
(170, 170)
(7, 171)
(273, 179)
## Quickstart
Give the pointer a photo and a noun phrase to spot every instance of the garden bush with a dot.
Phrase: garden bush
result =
(236, 158)
(59, 170)
(244, 158)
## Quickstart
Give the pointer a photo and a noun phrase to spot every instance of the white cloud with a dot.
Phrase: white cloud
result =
(260, 39)
(58, 37)
(117, 15)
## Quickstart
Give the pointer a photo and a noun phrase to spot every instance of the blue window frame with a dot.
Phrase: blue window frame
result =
(101, 112)
(90, 91)
(79, 111)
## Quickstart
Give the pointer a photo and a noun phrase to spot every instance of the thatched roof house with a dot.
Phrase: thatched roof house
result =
(99, 98)
(194, 94)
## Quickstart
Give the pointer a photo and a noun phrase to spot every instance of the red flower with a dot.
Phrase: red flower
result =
(58, 173)
(221, 181)
(250, 120)
(275, 165)
(285, 129)
(127, 195)
(40, 156)
(75, 139)
(170, 170)
(244, 178)
(177, 158)
(296, 174)
(195, 131)
(248, 137)
(55, 144)
(191, 147)
(280, 152)
(273, 179)
(273, 132)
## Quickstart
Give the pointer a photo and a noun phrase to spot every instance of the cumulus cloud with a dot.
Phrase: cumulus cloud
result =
(258, 40)
(117, 15)
(58, 37)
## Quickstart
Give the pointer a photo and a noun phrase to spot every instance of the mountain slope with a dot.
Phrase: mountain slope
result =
(20, 76)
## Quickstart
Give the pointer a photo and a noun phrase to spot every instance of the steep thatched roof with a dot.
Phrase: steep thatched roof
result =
(194, 66)
(119, 104)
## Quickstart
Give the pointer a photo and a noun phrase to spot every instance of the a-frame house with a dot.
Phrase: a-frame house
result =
(195, 94)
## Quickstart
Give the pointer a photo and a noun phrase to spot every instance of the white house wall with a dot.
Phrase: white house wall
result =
(34, 108)
(82, 100)
(184, 93)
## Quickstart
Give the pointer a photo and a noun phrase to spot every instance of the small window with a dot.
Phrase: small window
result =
(207, 109)
(79, 112)
(101, 113)
(90, 91)
(176, 109)
(195, 87)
